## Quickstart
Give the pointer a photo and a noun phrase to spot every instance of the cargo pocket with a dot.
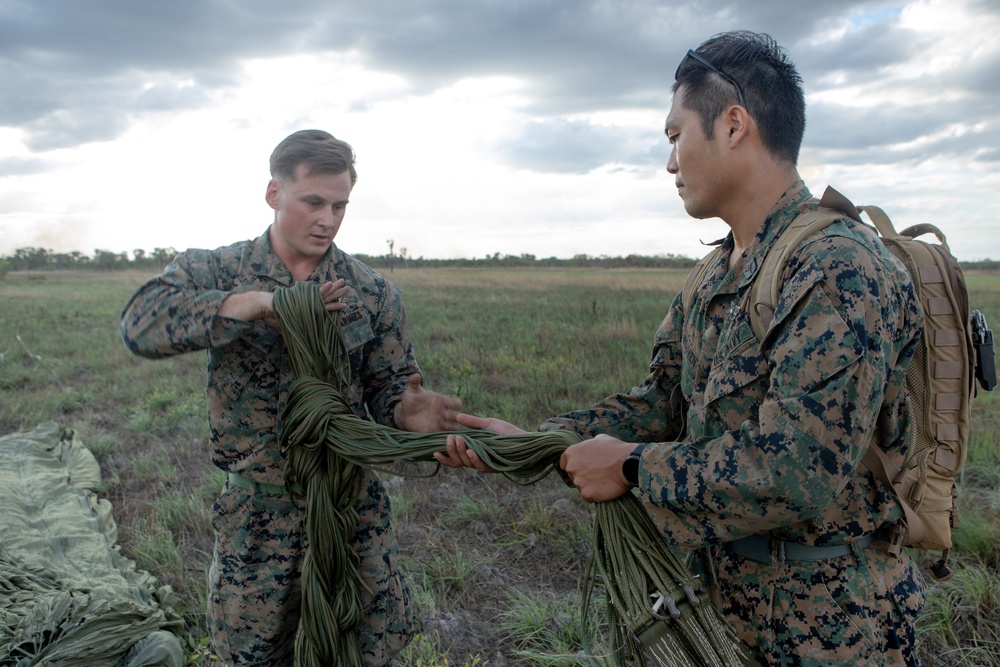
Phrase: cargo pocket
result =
(738, 363)
(388, 624)
(254, 596)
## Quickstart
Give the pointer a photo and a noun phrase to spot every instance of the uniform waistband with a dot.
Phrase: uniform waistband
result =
(760, 548)
(236, 479)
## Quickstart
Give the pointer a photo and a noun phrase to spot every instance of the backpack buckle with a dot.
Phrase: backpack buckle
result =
(897, 540)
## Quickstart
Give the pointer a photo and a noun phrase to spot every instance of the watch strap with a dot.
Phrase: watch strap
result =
(630, 467)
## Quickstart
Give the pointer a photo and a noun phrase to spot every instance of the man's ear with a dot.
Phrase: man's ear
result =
(737, 124)
(271, 194)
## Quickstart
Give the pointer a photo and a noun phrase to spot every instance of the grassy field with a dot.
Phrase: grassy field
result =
(494, 565)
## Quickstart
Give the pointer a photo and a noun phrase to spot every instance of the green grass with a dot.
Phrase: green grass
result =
(425, 651)
(494, 566)
(541, 628)
(465, 510)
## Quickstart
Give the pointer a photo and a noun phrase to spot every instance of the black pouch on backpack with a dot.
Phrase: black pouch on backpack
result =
(982, 339)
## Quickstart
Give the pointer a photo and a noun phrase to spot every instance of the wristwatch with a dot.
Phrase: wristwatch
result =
(630, 467)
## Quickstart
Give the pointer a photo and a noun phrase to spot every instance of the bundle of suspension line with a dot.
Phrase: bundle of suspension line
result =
(655, 607)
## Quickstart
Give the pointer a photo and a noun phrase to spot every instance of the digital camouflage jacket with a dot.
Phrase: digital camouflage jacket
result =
(248, 370)
(773, 434)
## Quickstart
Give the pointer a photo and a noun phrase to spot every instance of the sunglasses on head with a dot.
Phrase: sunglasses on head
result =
(700, 59)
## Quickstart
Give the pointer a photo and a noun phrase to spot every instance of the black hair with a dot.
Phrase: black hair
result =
(762, 72)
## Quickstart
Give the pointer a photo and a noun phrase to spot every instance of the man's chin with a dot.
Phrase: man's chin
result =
(320, 247)
(692, 210)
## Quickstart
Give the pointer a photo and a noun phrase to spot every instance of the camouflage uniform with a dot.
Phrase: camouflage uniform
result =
(260, 538)
(773, 443)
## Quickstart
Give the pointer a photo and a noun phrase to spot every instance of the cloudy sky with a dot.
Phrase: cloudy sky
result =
(481, 126)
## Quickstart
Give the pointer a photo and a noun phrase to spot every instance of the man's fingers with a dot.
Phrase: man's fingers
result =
(488, 424)
(332, 294)
(456, 456)
(460, 456)
(471, 421)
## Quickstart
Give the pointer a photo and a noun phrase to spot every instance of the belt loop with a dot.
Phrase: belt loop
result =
(781, 552)
(858, 549)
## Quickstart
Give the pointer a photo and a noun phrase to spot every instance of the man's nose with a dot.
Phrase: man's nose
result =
(327, 217)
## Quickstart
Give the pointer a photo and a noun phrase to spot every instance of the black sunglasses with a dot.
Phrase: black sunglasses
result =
(700, 59)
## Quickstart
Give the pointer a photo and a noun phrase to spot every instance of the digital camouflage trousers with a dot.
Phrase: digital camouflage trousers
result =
(254, 582)
(859, 609)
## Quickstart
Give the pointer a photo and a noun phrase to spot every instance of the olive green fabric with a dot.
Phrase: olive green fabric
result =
(67, 595)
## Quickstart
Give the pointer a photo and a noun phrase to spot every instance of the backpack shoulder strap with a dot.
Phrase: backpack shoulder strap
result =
(767, 285)
(911, 530)
(697, 275)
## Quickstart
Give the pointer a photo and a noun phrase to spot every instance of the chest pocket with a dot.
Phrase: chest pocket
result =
(738, 362)
(356, 328)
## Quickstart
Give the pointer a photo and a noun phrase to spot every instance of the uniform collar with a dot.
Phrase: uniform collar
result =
(263, 261)
(785, 210)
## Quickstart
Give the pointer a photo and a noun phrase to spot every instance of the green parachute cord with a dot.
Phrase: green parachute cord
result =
(654, 606)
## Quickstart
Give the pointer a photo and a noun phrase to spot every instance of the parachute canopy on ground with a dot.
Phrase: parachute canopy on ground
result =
(67, 594)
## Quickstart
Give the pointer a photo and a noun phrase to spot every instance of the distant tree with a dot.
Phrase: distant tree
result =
(4, 268)
(105, 260)
(62, 260)
(981, 265)
(22, 259)
(392, 245)
(139, 256)
(31, 259)
(162, 256)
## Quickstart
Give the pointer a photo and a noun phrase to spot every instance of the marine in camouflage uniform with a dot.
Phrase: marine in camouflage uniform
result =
(774, 441)
(260, 538)
(748, 451)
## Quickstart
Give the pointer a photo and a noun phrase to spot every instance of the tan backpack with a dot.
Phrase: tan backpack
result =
(956, 349)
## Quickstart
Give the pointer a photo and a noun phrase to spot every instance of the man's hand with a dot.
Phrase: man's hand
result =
(249, 306)
(459, 455)
(425, 411)
(332, 292)
(595, 467)
(488, 424)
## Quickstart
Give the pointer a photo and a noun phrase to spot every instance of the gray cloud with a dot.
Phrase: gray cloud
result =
(566, 146)
(74, 72)
(18, 166)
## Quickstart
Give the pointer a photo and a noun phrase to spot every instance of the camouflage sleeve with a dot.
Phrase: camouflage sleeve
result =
(177, 311)
(652, 411)
(389, 360)
(788, 460)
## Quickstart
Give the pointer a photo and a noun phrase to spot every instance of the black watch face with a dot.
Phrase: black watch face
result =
(630, 470)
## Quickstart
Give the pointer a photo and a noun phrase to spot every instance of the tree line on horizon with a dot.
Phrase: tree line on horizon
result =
(42, 259)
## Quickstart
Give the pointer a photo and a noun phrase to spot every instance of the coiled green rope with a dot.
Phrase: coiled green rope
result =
(653, 600)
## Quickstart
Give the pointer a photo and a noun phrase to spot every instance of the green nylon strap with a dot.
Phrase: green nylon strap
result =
(326, 445)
